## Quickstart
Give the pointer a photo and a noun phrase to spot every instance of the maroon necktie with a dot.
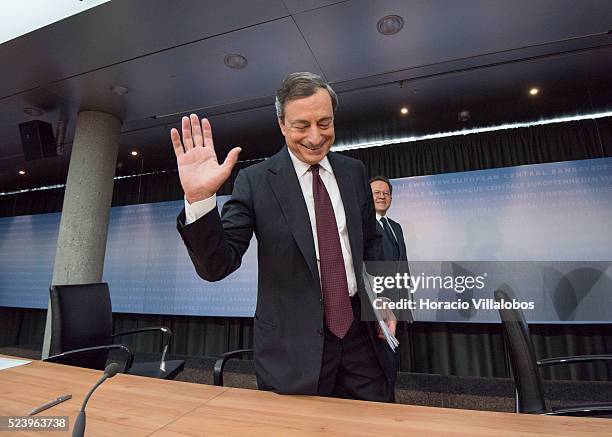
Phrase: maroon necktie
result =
(338, 309)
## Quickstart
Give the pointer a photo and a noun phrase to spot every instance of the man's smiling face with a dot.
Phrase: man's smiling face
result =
(382, 196)
(308, 126)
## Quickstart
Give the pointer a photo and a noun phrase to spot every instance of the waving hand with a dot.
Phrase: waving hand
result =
(200, 173)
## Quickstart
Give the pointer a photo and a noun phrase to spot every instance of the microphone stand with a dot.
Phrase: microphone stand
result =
(79, 425)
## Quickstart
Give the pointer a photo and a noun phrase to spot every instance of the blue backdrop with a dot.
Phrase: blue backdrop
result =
(547, 212)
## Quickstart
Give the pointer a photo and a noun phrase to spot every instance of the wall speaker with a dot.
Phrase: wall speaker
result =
(37, 140)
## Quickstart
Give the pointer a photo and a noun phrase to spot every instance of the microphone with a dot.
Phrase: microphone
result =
(79, 425)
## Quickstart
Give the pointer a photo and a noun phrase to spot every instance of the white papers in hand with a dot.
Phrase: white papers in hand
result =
(381, 314)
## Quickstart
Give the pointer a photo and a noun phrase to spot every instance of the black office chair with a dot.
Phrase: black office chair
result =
(525, 367)
(222, 361)
(81, 332)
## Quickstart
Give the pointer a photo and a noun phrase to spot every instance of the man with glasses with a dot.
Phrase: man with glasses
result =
(394, 248)
(394, 245)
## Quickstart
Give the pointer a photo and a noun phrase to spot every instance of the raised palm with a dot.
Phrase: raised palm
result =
(200, 173)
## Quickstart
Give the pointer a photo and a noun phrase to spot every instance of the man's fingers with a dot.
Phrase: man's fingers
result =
(196, 131)
(391, 326)
(186, 127)
(176, 142)
(231, 159)
(207, 132)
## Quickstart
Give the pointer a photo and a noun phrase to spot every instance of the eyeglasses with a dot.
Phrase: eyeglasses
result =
(381, 193)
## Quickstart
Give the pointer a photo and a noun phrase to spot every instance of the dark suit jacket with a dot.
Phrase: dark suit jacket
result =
(401, 267)
(388, 244)
(267, 200)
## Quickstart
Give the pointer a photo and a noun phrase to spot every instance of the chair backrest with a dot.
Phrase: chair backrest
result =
(522, 356)
(81, 317)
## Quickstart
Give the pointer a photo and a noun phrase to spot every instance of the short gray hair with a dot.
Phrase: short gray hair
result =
(299, 85)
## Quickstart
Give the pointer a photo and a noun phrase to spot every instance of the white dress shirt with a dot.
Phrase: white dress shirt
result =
(198, 209)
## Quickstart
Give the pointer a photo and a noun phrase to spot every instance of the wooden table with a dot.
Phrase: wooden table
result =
(135, 406)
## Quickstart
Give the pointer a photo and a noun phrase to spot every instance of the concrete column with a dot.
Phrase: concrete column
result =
(81, 243)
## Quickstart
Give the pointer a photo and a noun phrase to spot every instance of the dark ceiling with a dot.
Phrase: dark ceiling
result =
(479, 55)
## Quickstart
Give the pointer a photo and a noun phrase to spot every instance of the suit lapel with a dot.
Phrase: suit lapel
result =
(346, 185)
(288, 193)
(400, 238)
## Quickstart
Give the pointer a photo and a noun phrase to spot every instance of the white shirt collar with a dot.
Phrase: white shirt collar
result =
(301, 167)
(379, 217)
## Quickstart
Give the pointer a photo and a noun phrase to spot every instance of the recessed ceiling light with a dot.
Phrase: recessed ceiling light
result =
(34, 112)
(534, 91)
(134, 153)
(21, 172)
(404, 111)
(464, 115)
(390, 24)
(235, 61)
(119, 90)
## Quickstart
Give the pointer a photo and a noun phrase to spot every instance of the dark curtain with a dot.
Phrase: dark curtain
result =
(33, 202)
(465, 349)
(442, 348)
(604, 132)
(535, 145)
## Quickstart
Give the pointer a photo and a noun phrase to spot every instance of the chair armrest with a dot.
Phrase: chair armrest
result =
(582, 410)
(220, 364)
(573, 359)
(166, 336)
(128, 362)
(164, 330)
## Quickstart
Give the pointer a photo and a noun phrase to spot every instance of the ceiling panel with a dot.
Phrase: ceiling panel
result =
(171, 58)
(11, 115)
(194, 76)
(345, 41)
(38, 173)
(493, 95)
(295, 6)
(121, 30)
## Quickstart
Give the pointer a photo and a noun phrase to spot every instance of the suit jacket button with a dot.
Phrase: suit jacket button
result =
(321, 301)
(320, 332)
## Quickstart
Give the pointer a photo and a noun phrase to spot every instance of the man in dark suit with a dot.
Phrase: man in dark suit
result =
(313, 216)
(394, 246)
